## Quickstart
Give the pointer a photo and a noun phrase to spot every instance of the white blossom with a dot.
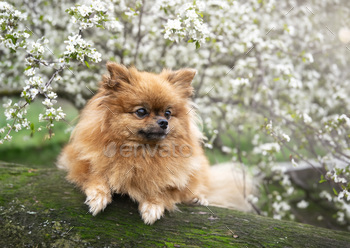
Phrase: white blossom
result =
(346, 119)
(307, 118)
(8, 137)
(286, 137)
(226, 149)
(344, 194)
(302, 204)
(326, 195)
(47, 102)
(30, 72)
(17, 127)
(344, 35)
(174, 24)
(267, 147)
(295, 164)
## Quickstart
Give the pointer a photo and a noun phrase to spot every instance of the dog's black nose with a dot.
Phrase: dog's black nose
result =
(162, 123)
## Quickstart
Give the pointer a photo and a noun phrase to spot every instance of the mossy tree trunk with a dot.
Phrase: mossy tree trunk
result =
(38, 208)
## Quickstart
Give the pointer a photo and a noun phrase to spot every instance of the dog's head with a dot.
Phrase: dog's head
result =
(147, 107)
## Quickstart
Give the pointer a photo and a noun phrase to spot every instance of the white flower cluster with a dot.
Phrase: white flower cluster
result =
(341, 177)
(17, 112)
(307, 119)
(338, 175)
(343, 207)
(267, 148)
(9, 21)
(34, 86)
(344, 118)
(302, 204)
(238, 83)
(93, 13)
(325, 195)
(81, 50)
(38, 48)
(276, 133)
(188, 24)
(35, 56)
(51, 113)
(280, 207)
(87, 16)
(344, 194)
(10, 36)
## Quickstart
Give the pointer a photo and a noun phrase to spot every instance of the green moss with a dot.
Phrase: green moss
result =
(44, 210)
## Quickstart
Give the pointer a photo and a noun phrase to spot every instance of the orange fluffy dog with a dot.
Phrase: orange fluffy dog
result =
(137, 136)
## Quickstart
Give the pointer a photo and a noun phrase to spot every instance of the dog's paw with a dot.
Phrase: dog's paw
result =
(201, 200)
(151, 212)
(97, 199)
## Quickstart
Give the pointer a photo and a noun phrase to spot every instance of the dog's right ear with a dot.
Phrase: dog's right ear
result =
(118, 74)
(181, 79)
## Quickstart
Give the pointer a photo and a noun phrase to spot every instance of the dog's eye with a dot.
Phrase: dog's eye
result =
(141, 112)
(167, 114)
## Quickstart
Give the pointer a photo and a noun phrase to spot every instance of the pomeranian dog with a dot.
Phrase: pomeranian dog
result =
(138, 136)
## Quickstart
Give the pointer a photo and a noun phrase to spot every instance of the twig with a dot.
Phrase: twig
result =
(139, 37)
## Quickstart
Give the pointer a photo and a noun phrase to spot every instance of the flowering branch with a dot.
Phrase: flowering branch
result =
(77, 49)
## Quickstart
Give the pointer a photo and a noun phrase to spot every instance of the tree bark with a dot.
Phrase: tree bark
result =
(39, 208)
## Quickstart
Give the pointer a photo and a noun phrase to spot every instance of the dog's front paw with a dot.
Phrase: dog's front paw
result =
(201, 200)
(97, 199)
(151, 212)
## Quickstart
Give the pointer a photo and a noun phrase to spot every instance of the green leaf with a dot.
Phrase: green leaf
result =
(87, 64)
(322, 179)
(190, 41)
(32, 129)
(28, 100)
(335, 191)
(197, 45)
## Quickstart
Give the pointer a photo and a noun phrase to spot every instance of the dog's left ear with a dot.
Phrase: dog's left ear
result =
(118, 74)
(182, 79)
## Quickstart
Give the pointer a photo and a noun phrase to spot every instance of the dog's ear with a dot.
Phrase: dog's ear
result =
(182, 79)
(118, 74)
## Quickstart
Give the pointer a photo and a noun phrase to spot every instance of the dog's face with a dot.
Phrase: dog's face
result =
(146, 107)
(156, 121)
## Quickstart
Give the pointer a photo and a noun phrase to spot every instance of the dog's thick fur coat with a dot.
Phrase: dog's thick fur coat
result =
(113, 150)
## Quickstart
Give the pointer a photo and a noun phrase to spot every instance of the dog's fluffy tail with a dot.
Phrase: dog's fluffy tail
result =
(230, 187)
